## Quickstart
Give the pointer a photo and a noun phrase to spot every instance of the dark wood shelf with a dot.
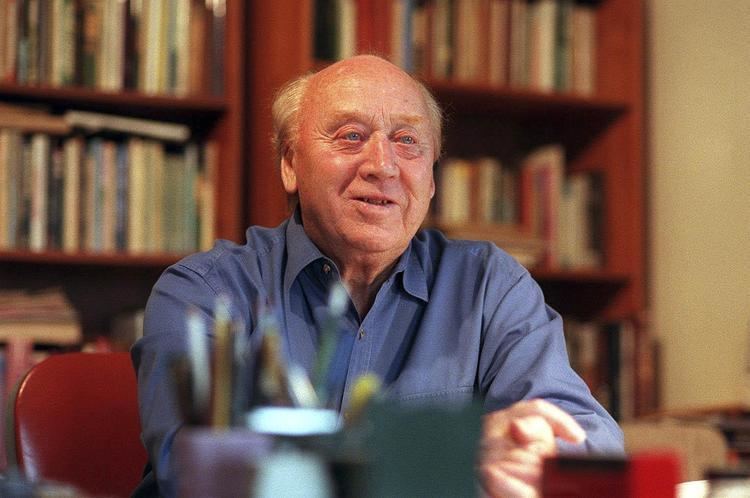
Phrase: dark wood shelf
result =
(115, 259)
(477, 98)
(193, 108)
(523, 118)
(581, 276)
(583, 294)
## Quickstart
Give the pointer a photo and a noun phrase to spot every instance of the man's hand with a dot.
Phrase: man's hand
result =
(516, 440)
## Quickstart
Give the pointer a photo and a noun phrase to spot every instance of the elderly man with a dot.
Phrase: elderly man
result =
(433, 318)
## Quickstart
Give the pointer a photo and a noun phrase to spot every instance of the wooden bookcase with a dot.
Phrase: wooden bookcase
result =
(102, 285)
(602, 132)
(266, 44)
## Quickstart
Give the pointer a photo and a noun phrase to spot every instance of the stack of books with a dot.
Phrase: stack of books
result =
(42, 317)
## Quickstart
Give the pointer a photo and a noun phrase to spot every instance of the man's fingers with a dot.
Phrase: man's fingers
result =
(562, 424)
(497, 453)
(498, 483)
(535, 430)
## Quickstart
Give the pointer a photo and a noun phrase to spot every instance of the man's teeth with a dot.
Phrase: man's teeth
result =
(381, 202)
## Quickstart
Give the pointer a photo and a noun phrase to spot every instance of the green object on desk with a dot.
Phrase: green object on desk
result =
(423, 451)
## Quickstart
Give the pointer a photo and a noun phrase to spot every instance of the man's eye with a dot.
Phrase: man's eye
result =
(353, 136)
(407, 139)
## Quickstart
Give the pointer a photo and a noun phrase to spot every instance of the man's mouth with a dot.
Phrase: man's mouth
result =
(377, 202)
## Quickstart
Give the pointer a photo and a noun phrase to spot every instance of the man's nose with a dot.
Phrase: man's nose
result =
(381, 160)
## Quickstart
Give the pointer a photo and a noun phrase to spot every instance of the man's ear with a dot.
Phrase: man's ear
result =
(432, 181)
(288, 175)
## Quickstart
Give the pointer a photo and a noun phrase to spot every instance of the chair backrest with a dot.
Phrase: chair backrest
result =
(74, 419)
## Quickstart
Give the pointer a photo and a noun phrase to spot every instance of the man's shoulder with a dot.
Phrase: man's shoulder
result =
(225, 254)
(434, 243)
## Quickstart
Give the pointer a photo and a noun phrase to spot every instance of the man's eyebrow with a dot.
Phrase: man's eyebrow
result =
(345, 116)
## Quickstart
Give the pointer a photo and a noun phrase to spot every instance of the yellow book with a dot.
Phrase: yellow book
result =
(51, 332)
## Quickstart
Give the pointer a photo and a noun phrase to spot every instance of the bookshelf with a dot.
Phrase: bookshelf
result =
(102, 284)
(601, 132)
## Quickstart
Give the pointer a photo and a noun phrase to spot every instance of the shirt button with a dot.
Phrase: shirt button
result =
(361, 334)
(326, 268)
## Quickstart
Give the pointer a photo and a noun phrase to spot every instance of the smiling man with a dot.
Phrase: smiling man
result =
(435, 319)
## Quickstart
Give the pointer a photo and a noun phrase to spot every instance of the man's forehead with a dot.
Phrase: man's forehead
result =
(356, 95)
(358, 114)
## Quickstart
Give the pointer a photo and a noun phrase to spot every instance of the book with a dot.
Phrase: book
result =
(71, 222)
(580, 214)
(325, 37)
(90, 41)
(519, 46)
(542, 23)
(207, 181)
(466, 39)
(583, 49)
(40, 317)
(526, 249)
(96, 122)
(12, 152)
(441, 60)
(9, 34)
(136, 227)
(499, 42)
(31, 120)
(489, 188)
(5, 181)
(541, 183)
(52, 332)
(55, 190)
(455, 190)
(347, 28)
(40, 159)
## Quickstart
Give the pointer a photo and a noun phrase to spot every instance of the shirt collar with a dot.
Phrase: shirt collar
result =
(301, 251)
(414, 277)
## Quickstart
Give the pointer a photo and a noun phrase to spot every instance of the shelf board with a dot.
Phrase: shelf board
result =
(580, 293)
(164, 107)
(484, 98)
(124, 260)
(584, 277)
(473, 109)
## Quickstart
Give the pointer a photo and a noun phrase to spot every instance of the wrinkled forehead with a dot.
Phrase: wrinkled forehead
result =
(361, 88)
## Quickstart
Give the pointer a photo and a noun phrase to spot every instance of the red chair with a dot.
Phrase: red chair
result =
(74, 419)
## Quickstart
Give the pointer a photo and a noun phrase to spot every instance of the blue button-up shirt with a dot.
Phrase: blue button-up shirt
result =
(455, 320)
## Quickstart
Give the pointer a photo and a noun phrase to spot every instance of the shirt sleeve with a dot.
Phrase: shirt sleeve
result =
(524, 357)
(164, 339)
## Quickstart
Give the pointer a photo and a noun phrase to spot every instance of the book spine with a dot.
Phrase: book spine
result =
(136, 195)
(5, 181)
(218, 35)
(40, 145)
(55, 191)
(72, 194)
(91, 40)
(123, 209)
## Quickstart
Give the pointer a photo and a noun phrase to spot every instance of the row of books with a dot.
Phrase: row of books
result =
(544, 45)
(553, 215)
(114, 192)
(155, 46)
(604, 355)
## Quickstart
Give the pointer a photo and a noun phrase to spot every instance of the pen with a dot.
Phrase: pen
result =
(200, 364)
(222, 366)
(337, 302)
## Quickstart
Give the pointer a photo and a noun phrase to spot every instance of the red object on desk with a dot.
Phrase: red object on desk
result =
(642, 475)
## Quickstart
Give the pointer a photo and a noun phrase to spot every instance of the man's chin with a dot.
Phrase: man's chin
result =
(377, 241)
